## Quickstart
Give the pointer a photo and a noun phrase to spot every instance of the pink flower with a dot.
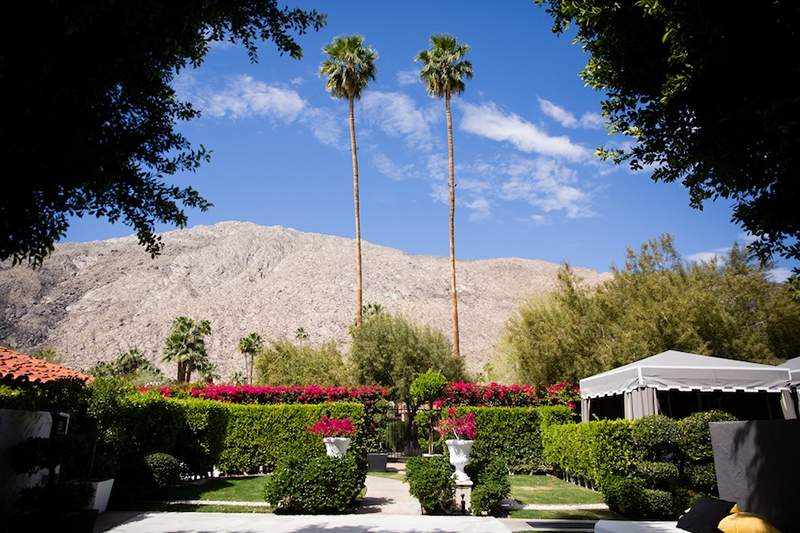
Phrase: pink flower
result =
(332, 427)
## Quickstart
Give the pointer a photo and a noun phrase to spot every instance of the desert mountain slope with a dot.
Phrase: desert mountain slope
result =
(90, 301)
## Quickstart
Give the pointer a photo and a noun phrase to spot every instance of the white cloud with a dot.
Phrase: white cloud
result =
(479, 208)
(559, 114)
(779, 274)
(388, 167)
(567, 119)
(297, 81)
(717, 254)
(244, 97)
(487, 120)
(397, 115)
(547, 185)
(408, 77)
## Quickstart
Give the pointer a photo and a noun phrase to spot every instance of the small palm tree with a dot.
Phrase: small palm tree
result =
(349, 68)
(250, 345)
(444, 70)
(186, 344)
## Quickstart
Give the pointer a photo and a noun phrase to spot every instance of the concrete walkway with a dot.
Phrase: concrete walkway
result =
(260, 523)
(388, 496)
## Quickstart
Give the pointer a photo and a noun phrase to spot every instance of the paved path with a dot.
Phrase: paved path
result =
(260, 523)
(388, 496)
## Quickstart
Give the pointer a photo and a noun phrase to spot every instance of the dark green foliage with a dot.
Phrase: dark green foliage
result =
(427, 387)
(695, 435)
(132, 366)
(261, 435)
(186, 345)
(55, 498)
(430, 480)
(102, 139)
(629, 497)
(284, 362)
(202, 436)
(657, 474)
(391, 351)
(66, 395)
(702, 477)
(491, 488)
(310, 482)
(691, 84)
(655, 437)
(655, 303)
(513, 434)
(163, 470)
(34, 454)
(590, 451)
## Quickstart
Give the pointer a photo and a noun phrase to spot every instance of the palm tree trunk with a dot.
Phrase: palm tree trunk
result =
(181, 372)
(357, 209)
(453, 290)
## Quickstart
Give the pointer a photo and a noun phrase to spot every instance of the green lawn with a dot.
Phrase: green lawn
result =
(242, 489)
(549, 489)
(566, 515)
(400, 476)
(186, 508)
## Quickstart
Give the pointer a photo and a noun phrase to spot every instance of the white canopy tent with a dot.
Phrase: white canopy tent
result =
(793, 365)
(638, 382)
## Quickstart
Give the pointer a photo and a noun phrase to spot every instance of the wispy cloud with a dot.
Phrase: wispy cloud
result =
(396, 114)
(398, 172)
(547, 185)
(408, 77)
(244, 97)
(567, 118)
(780, 274)
(489, 121)
(717, 254)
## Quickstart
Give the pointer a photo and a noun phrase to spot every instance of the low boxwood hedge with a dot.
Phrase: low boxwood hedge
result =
(430, 480)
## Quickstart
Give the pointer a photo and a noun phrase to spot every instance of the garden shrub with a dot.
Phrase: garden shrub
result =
(491, 488)
(513, 434)
(261, 435)
(313, 483)
(163, 470)
(655, 437)
(702, 477)
(629, 496)
(657, 474)
(430, 480)
(695, 435)
(202, 434)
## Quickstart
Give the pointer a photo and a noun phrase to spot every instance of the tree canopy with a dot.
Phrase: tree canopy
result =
(707, 92)
(283, 362)
(349, 67)
(89, 111)
(657, 302)
(444, 68)
(186, 345)
(390, 350)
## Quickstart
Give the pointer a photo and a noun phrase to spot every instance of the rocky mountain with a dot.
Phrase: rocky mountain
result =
(90, 301)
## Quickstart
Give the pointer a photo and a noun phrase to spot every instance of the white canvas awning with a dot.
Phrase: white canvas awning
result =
(793, 366)
(673, 370)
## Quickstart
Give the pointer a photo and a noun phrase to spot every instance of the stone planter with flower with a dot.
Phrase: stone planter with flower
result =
(459, 448)
(336, 434)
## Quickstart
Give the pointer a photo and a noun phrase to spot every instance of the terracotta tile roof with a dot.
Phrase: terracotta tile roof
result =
(17, 366)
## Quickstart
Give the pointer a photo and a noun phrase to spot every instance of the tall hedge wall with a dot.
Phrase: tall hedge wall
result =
(262, 434)
(514, 434)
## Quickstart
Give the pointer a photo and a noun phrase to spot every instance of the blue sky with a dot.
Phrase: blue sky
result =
(525, 132)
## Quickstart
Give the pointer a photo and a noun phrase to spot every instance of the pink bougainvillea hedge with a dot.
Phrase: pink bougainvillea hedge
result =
(276, 394)
(497, 395)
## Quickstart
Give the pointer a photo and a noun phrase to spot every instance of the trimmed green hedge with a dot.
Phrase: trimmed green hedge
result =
(261, 435)
(514, 434)
(638, 464)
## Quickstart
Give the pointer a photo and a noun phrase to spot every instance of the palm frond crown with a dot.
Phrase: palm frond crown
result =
(349, 67)
(444, 68)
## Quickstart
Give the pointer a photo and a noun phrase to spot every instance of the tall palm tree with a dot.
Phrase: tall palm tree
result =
(444, 70)
(250, 346)
(349, 68)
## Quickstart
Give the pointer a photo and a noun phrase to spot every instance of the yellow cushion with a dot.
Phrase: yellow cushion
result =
(745, 523)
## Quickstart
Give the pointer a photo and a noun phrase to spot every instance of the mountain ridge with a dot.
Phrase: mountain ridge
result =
(93, 300)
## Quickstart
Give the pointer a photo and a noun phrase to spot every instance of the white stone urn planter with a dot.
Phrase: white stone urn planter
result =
(459, 450)
(102, 491)
(336, 446)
